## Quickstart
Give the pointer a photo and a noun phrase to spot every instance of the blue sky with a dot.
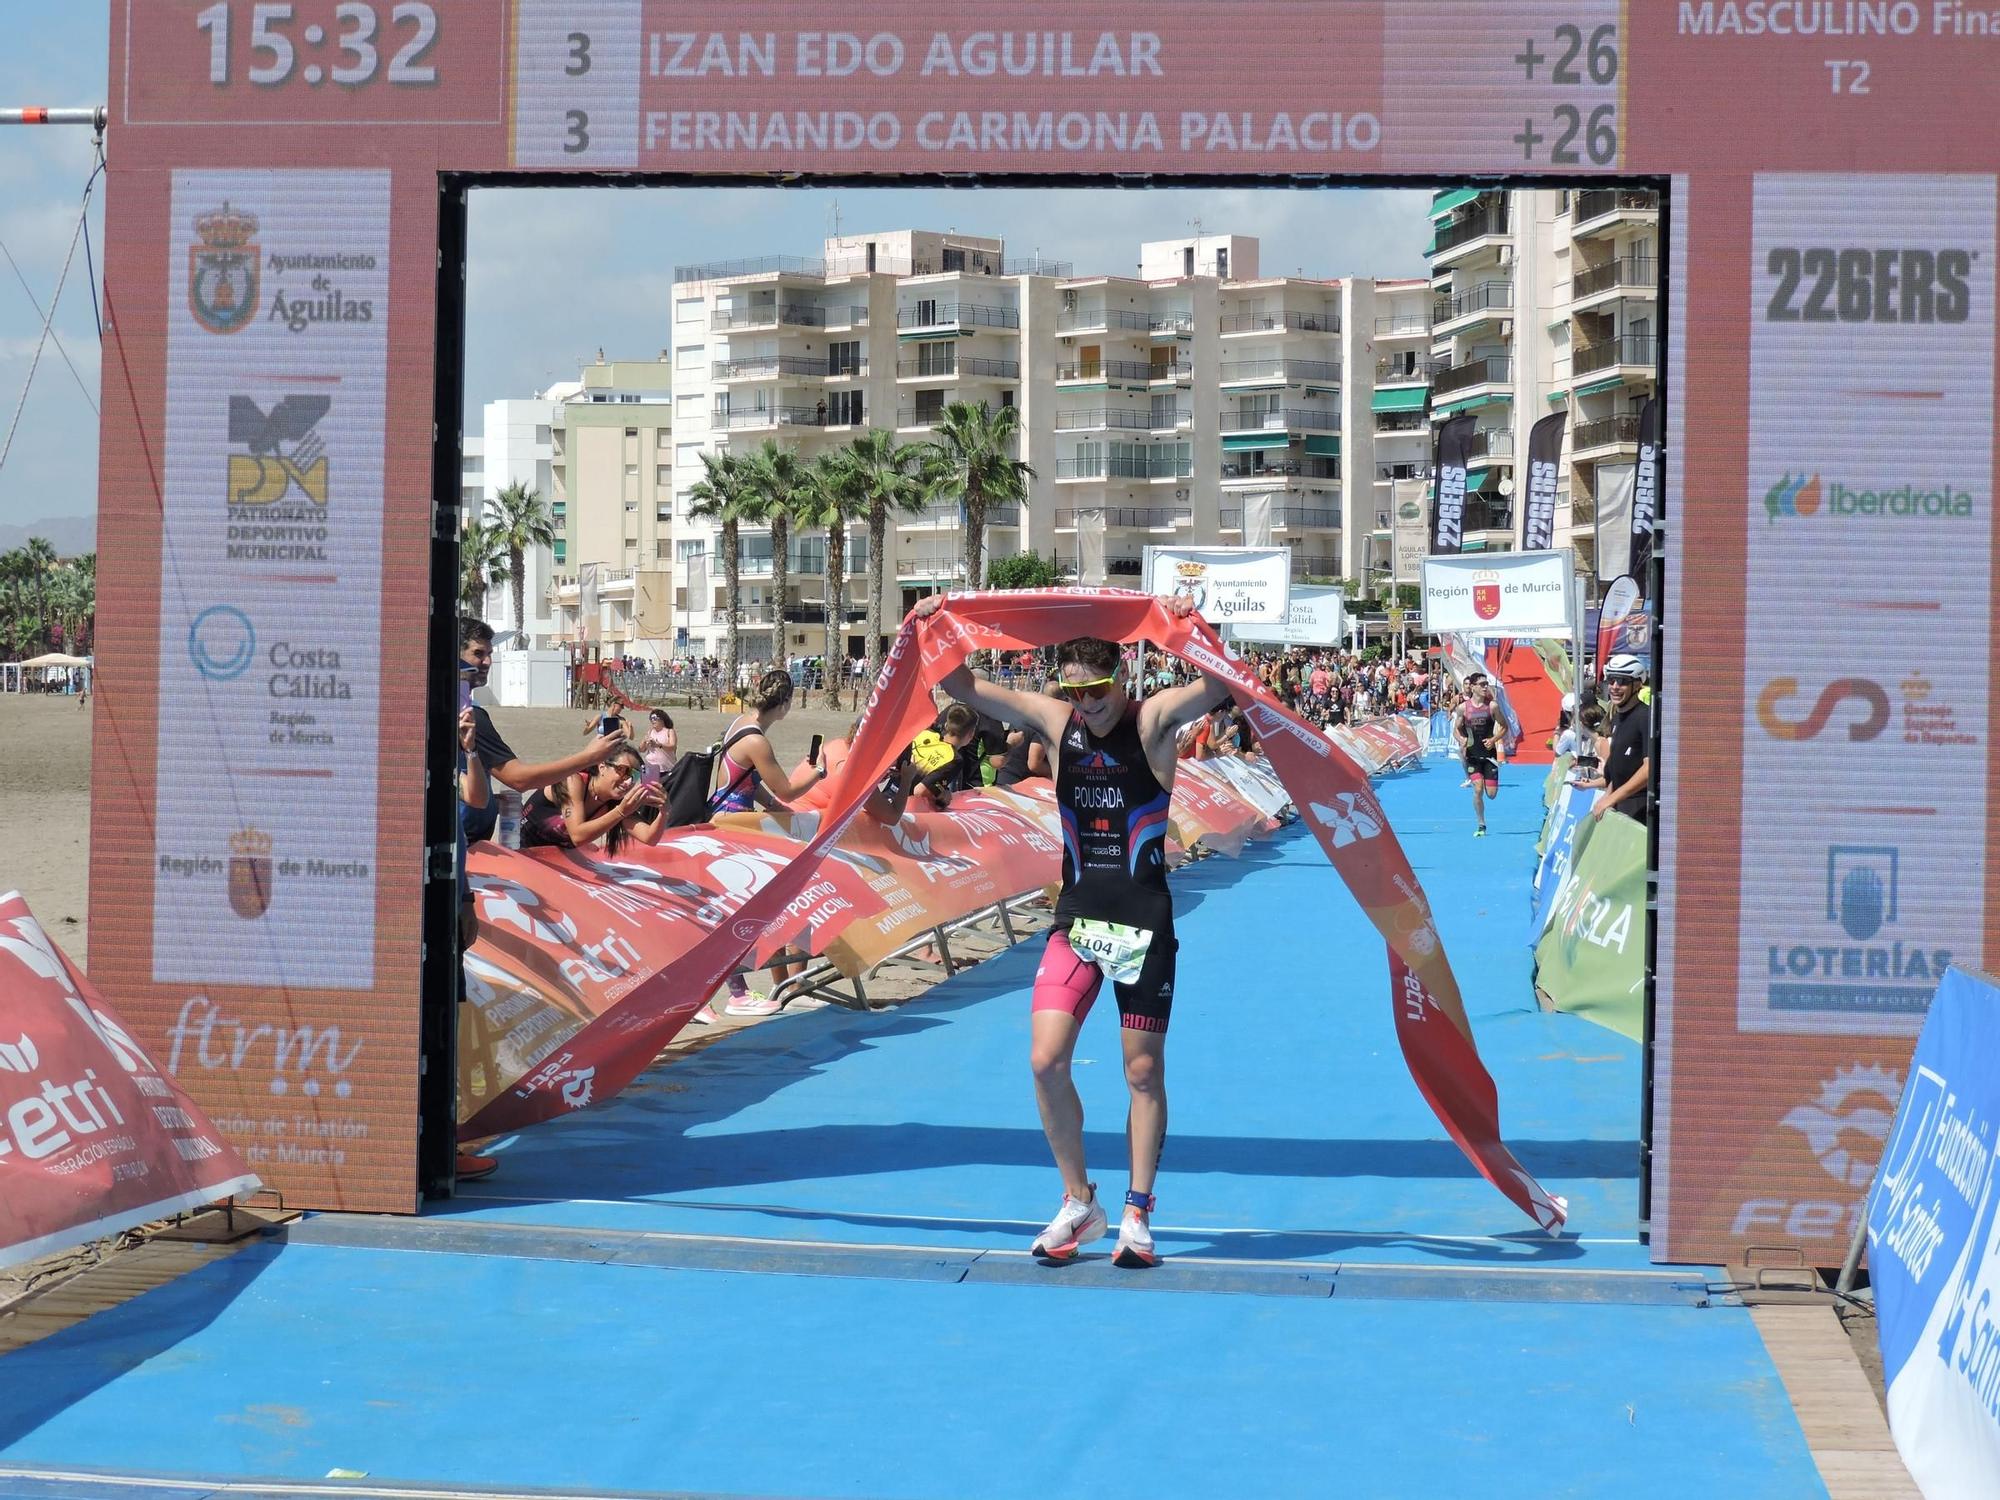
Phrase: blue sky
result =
(557, 274)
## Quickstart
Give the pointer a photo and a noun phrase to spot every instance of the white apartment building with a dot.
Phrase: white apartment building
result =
(516, 446)
(1546, 301)
(1198, 402)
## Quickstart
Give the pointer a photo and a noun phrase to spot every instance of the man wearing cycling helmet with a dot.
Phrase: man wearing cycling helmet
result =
(1628, 769)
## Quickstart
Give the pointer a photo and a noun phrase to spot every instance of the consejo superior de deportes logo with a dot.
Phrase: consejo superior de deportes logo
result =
(222, 642)
(1804, 495)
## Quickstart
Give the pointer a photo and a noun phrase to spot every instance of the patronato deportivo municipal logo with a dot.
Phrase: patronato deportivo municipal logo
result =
(1486, 594)
(224, 278)
(1803, 496)
(282, 451)
(250, 873)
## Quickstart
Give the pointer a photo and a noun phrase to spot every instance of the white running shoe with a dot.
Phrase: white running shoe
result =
(1135, 1243)
(750, 1003)
(703, 1017)
(1073, 1228)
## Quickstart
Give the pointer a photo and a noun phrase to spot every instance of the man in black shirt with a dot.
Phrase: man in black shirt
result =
(475, 650)
(1628, 769)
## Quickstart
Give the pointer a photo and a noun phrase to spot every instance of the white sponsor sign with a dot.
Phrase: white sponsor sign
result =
(271, 580)
(1229, 585)
(1317, 617)
(1871, 436)
(1498, 593)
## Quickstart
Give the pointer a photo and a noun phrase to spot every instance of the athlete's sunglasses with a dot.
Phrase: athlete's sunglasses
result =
(1092, 690)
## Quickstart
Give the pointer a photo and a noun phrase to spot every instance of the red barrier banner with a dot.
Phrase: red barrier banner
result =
(94, 1137)
(1207, 809)
(1330, 790)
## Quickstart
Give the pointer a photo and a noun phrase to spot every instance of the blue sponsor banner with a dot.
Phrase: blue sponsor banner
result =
(1933, 1249)
(1571, 806)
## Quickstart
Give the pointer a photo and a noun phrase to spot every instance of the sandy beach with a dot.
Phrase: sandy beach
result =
(45, 798)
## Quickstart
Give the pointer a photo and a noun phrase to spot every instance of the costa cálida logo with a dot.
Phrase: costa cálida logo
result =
(250, 873)
(1486, 594)
(224, 279)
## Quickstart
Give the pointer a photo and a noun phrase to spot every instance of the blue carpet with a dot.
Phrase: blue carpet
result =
(1297, 1136)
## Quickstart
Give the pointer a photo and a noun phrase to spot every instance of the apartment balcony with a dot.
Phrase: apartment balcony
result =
(1103, 419)
(1135, 517)
(1164, 420)
(952, 517)
(1406, 327)
(1404, 371)
(756, 265)
(846, 315)
(853, 369)
(1171, 325)
(1491, 445)
(1238, 372)
(963, 316)
(1494, 369)
(1004, 515)
(930, 567)
(1635, 276)
(770, 417)
(1163, 462)
(1321, 470)
(1473, 306)
(1101, 320)
(1290, 518)
(768, 315)
(955, 368)
(1385, 473)
(1178, 373)
(1313, 566)
(1280, 322)
(1484, 515)
(1483, 230)
(1103, 370)
(1391, 423)
(1630, 356)
(1601, 210)
(918, 418)
(1289, 419)
(1605, 436)
(768, 367)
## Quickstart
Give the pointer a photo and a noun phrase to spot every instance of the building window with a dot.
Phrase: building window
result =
(1006, 398)
(632, 434)
(688, 358)
(562, 549)
(628, 400)
(688, 455)
(687, 407)
(843, 409)
(930, 407)
(936, 359)
(686, 551)
(663, 476)
(843, 358)
(687, 309)
(954, 259)
(542, 437)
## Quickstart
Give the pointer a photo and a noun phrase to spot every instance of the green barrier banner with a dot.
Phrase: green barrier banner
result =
(1591, 960)
(1552, 785)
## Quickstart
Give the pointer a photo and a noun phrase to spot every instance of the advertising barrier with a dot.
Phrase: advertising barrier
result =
(1590, 959)
(95, 1136)
(1934, 1248)
(1554, 852)
(1318, 617)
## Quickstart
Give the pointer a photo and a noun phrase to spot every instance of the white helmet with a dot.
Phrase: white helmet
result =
(1625, 664)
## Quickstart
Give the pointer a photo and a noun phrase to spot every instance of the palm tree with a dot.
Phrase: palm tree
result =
(884, 471)
(969, 460)
(520, 520)
(779, 492)
(482, 564)
(837, 495)
(14, 574)
(40, 558)
(723, 495)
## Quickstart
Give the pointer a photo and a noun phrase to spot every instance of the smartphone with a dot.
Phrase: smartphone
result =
(812, 755)
(609, 724)
(649, 775)
(465, 675)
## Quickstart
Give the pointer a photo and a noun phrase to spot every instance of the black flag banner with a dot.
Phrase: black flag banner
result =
(1646, 490)
(1454, 444)
(1545, 442)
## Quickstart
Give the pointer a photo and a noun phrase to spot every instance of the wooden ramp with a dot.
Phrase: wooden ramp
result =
(1836, 1404)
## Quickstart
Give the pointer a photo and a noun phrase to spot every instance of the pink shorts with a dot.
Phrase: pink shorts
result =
(1070, 984)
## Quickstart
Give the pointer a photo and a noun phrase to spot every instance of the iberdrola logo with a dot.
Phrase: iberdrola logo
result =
(1792, 497)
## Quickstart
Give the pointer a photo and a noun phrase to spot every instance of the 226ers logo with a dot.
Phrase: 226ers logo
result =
(1486, 595)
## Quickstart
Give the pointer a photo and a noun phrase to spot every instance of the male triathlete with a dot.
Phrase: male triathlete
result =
(1628, 768)
(1114, 762)
(1477, 730)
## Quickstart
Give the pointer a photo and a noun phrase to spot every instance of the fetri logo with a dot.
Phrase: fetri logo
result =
(1804, 495)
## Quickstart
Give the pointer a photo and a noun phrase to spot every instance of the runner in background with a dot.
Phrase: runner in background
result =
(1114, 777)
(1477, 731)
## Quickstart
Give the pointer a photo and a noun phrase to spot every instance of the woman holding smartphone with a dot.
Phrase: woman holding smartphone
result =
(609, 804)
(662, 747)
